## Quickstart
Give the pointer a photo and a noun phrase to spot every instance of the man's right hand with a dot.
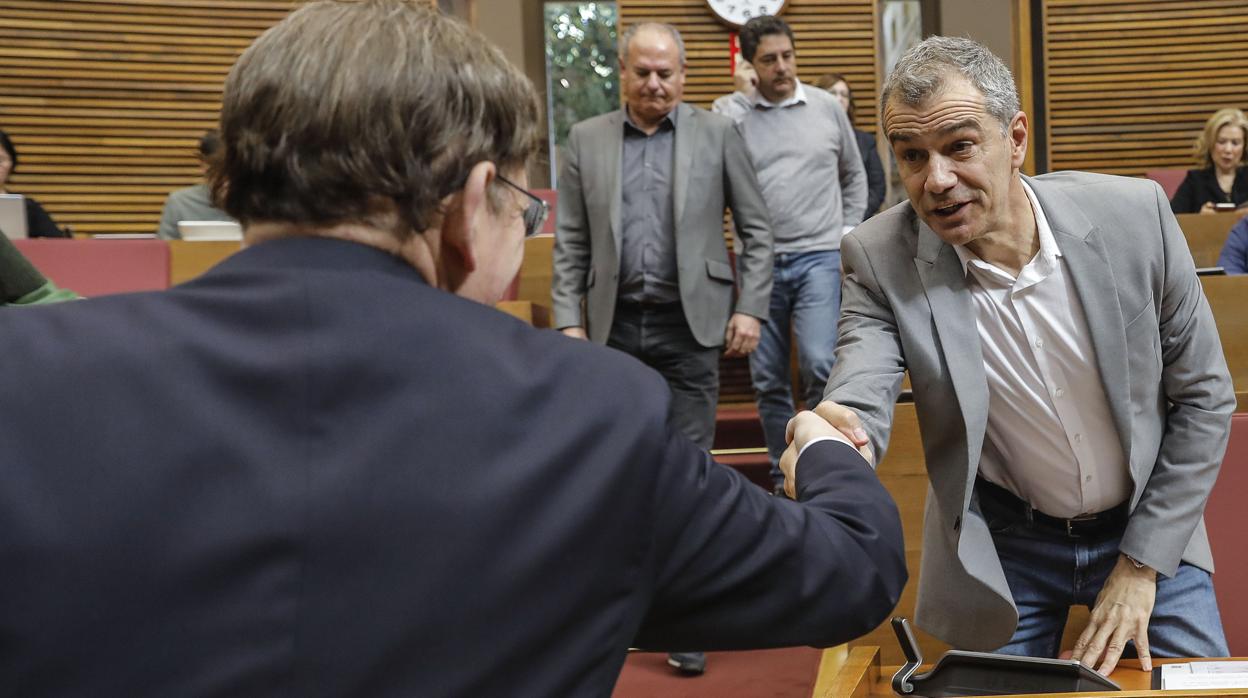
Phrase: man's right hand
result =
(847, 422)
(575, 332)
(805, 427)
(745, 80)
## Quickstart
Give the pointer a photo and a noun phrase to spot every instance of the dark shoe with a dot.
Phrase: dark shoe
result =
(691, 663)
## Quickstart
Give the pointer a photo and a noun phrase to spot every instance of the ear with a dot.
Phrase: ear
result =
(461, 222)
(1018, 140)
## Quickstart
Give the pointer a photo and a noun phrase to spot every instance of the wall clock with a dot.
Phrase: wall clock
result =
(735, 13)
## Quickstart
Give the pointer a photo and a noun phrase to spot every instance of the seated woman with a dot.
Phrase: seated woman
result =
(836, 84)
(1222, 178)
(1234, 256)
(38, 223)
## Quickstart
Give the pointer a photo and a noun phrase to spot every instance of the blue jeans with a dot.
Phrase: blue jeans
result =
(806, 296)
(1048, 574)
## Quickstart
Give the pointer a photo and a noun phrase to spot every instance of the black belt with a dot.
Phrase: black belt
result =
(647, 306)
(996, 501)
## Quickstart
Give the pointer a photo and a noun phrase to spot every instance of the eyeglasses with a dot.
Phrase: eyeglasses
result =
(535, 213)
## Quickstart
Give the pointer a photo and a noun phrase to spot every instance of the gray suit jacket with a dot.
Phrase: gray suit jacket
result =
(711, 169)
(905, 306)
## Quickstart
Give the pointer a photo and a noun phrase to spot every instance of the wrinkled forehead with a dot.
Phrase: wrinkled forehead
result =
(654, 49)
(956, 105)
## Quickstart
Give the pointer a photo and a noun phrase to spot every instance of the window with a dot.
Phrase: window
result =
(582, 68)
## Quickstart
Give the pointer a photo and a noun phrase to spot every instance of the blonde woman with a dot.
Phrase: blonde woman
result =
(1222, 181)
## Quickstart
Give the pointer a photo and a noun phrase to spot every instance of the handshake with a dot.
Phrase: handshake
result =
(828, 421)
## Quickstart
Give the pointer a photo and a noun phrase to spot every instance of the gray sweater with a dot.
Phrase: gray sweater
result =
(189, 204)
(808, 166)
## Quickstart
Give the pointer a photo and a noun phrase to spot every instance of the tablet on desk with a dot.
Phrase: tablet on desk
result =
(13, 216)
(210, 230)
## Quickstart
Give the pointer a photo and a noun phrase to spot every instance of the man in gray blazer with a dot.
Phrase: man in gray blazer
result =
(1069, 382)
(640, 262)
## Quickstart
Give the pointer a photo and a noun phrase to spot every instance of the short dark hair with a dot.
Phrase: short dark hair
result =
(209, 143)
(367, 112)
(755, 29)
(8, 148)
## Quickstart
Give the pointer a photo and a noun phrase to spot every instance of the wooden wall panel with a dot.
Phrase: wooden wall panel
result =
(106, 100)
(832, 35)
(1130, 83)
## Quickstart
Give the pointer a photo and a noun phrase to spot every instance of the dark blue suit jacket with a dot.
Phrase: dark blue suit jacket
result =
(307, 473)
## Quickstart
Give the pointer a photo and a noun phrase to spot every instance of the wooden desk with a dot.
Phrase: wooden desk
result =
(858, 673)
(1206, 233)
(189, 259)
(1227, 297)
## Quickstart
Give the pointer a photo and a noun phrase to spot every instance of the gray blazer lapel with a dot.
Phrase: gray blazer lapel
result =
(612, 156)
(1088, 262)
(944, 282)
(686, 136)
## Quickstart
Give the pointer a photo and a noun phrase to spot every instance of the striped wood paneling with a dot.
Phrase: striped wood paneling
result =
(106, 100)
(1130, 83)
(832, 35)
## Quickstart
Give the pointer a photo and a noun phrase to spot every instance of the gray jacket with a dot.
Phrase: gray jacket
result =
(712, 170)
(905, 306)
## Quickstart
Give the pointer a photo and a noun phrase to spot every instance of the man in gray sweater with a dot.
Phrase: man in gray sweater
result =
(812, 178)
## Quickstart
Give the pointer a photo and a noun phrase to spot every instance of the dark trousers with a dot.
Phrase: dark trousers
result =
(659, 336)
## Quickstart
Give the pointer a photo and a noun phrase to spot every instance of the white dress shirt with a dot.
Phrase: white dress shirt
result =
(1050, 438)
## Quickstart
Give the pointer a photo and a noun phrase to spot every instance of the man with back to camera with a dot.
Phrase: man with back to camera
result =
(330, 469)
(640, 262)
(813, 180)
(1068, 378)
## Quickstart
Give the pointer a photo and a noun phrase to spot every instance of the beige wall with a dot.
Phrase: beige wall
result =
(987, 21)
(515, 26)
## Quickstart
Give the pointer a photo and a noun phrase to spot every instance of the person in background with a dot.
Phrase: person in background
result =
(1234, 255)
(193, 203)
(802, 144)
(21, 283)
(1222, 179)
(640, 261)
(838, 87)
(38, 223)
(332, 468)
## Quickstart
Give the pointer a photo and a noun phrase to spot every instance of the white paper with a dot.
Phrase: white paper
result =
(1197, 675)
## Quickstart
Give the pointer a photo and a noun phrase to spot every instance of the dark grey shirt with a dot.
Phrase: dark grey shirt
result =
(647, 237)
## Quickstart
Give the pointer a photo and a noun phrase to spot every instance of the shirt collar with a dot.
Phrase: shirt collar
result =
(668, 121)
(1040, 266)
(798, 97)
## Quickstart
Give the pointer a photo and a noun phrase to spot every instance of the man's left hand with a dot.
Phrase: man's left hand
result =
(1122, 611)
(742, 334)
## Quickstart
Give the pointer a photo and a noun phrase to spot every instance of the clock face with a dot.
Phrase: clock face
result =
(738, 12)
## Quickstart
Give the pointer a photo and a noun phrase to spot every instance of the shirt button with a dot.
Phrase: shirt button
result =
(1039, 343)
(1078, 438)
(1088, 478)
(1059, 393)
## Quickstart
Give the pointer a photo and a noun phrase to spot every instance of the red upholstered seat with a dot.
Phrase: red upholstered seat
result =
(1169, 179)
(1227, 519)
(98, 267)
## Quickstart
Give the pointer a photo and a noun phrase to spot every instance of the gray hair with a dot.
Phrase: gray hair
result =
(923, 71)
(367, 112)
(633, 29)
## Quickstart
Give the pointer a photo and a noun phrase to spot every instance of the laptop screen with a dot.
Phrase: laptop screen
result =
(13, 216)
